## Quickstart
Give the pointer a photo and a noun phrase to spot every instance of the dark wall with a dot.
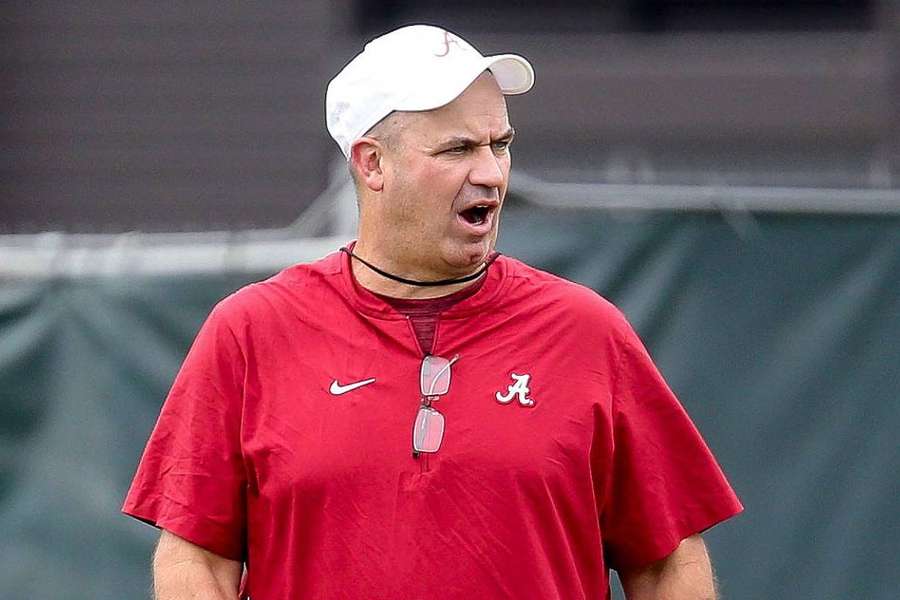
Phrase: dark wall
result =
(162, 116)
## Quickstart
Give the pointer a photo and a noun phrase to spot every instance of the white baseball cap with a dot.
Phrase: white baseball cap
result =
(414, 68)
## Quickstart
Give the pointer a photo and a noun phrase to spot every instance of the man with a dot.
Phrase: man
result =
(416, 416)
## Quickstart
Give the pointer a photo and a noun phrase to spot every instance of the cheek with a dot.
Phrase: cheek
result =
(445, 185)
(421, 200)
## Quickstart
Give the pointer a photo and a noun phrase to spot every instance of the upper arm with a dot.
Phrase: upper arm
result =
(686, 573)
(181, 568)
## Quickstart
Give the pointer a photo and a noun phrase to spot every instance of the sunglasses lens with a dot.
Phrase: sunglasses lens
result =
(435, 376)
(428, 431)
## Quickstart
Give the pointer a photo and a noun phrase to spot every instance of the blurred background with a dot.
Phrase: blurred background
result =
(725, 171)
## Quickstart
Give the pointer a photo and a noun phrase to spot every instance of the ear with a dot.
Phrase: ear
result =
(366, 154)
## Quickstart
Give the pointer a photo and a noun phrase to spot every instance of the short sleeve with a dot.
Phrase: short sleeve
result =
(665, 484)
(191, 479)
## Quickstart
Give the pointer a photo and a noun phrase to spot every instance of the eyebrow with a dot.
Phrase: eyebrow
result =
(462, 140)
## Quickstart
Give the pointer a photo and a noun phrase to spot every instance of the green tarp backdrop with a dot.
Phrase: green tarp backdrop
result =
(780, 334)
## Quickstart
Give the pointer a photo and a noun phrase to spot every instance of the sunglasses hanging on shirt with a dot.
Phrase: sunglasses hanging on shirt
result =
(434, 382)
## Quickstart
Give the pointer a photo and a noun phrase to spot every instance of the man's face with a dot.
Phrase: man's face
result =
(445, 181)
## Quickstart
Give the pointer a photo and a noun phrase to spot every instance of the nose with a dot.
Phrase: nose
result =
(487, 168)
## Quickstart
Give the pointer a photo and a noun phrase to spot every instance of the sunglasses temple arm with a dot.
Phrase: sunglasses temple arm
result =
(437, 375)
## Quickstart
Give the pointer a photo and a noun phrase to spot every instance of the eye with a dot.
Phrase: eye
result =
(456, 150)
(501, 146)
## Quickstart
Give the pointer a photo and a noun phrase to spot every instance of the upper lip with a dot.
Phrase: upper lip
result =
(489, 203)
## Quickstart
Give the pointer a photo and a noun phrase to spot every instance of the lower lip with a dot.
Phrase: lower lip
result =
(481, 229)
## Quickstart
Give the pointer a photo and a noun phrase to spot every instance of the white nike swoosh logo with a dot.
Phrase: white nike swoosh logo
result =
(338, 389)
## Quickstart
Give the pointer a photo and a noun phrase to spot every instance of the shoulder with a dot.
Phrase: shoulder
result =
(293, 288)
(539, 289)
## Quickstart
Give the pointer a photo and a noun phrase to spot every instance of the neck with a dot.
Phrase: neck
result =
(386, 283)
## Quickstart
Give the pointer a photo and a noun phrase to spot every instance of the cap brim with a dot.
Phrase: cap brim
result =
(513, 73)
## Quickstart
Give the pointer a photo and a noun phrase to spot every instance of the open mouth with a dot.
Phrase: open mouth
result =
(476, 215)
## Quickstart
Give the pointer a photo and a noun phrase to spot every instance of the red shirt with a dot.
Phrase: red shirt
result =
(255, 459)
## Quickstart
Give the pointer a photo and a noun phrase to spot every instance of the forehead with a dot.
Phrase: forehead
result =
(479, 111)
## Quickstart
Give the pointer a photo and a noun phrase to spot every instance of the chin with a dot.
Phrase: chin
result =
(470, 255)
